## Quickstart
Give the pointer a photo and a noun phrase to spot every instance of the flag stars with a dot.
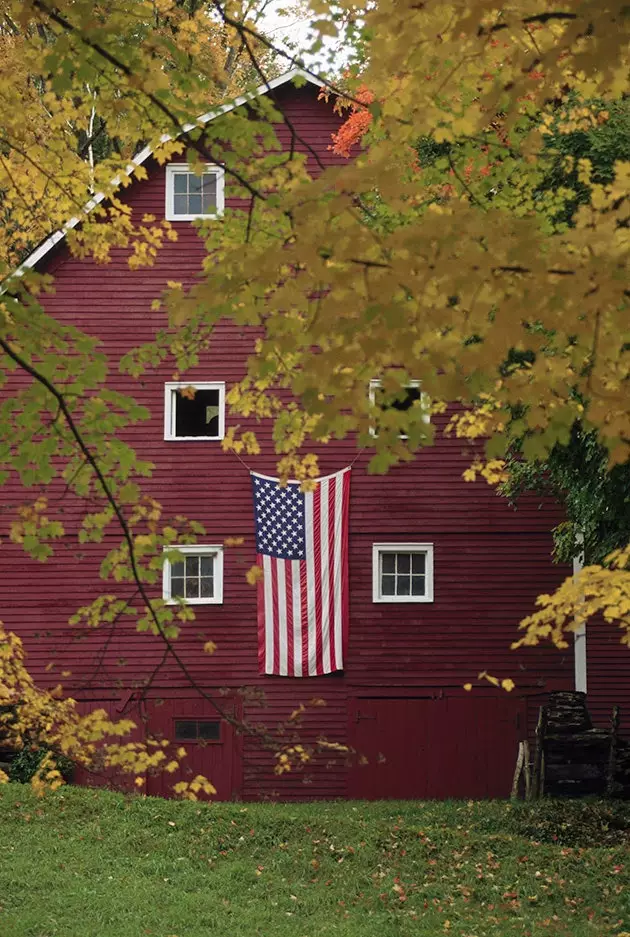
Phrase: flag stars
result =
(280, 519)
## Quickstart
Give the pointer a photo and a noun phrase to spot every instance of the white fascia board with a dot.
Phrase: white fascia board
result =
(144, 154)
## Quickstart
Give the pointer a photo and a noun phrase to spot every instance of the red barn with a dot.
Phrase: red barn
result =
(399, 700)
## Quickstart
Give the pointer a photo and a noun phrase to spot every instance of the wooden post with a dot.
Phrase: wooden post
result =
(612, 753)
(527, 771)
(538, 782)
(517, 771)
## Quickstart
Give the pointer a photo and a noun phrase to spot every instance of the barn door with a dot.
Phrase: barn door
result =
(475, 745)
(460, 747)
(211, 747)
(393, 735)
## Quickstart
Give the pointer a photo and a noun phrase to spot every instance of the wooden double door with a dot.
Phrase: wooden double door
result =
(424, 748)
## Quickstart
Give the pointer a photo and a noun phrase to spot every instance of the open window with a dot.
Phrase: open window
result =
(196, 578)
(409, 397)
(194, 410)
(191, 195)
(402, 572)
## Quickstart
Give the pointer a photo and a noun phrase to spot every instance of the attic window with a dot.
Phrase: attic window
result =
(409, 397)
(194, 410)
(190, 196)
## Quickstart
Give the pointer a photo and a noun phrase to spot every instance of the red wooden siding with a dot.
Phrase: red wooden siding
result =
(608, 674)
(490, 562)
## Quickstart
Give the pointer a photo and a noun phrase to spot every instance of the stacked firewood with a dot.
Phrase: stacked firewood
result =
(574, 759)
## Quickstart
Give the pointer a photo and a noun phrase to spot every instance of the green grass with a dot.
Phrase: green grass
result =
(94, 864)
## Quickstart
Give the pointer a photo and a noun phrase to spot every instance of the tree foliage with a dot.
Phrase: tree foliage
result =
(465, 244)
(596, 498)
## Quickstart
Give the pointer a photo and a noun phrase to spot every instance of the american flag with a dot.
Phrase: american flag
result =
(302, 548)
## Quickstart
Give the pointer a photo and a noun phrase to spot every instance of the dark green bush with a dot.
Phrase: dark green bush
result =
(26, 762)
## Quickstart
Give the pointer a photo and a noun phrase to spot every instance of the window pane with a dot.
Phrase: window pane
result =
(177, 569)
(180, 182)
(417, 585)
(194, 183)
(180, 204)
(199, 416)
(192, 565)
(209, 186)
(177, 587)
(418, 563)
(192, 588)
(185, 730)
(207, 565)
(209, 193)
(388, 562)
(207, 587)
(404, 562)
(194, 204)
(387, 585)
(403, 585)
(209, 730)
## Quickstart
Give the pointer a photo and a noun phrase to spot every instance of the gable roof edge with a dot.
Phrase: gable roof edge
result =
(47, 245)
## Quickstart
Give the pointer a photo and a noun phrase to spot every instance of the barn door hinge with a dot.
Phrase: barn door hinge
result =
(358, 716)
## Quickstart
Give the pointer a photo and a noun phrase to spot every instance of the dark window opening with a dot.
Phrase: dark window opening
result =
(198, 416)
(405, 399)
(197, 730)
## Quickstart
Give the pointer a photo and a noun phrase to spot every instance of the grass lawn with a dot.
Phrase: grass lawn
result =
(95, 864)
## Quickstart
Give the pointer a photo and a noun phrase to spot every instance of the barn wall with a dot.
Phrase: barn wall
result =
(608, 674)
(490, 561)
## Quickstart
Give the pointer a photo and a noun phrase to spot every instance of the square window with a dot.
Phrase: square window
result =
(197, 580)
(409, 397)
(194, 410)
(190, 196)
(402, 572)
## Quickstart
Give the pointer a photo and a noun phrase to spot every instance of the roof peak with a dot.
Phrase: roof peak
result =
(47, 245)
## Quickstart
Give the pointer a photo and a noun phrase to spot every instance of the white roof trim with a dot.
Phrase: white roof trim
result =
(144, 154)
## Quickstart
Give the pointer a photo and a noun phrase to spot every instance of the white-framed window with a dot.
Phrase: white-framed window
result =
(194, 410)
(196, 578)
(410, 396)
(190, 196)
(402, 572)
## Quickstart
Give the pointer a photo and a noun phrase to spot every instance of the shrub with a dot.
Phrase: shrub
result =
(26, 762)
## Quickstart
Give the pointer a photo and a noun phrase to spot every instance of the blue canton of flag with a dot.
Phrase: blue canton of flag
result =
(280, 517)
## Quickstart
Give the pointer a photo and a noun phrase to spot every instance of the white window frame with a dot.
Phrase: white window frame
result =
(195, 549)
(375, 383)
(172, 170)
(379, 548)
(170, 406)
